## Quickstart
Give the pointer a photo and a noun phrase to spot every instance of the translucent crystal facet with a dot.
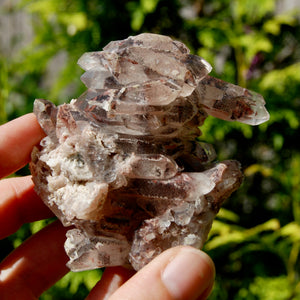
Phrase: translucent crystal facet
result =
(122, 163)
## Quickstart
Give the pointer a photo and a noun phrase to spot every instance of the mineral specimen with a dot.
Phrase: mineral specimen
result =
(122, 164)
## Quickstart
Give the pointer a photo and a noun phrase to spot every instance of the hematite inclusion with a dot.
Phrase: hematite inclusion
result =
(122, 164)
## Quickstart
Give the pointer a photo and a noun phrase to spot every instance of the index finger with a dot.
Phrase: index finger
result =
(17, 139)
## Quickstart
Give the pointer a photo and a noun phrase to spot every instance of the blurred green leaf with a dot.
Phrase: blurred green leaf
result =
(253, 10)
(140, 10)
(266, 288)
(228, 215)
(258, 42)
(230, 234)
(274, 24)
(280, 81)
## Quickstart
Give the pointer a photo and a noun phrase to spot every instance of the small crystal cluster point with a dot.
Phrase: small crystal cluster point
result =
(122, 163)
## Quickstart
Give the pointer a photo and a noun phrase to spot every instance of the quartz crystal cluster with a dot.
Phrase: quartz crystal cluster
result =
(122, 163)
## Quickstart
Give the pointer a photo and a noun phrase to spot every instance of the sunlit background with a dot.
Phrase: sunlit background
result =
(255, 241)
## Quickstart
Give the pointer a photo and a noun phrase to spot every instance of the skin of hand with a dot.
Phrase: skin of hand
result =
(178, 273)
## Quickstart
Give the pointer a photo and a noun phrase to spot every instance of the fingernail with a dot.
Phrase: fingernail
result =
(189, 274)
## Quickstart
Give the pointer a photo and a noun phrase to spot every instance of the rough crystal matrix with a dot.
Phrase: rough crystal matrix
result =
(122, 164)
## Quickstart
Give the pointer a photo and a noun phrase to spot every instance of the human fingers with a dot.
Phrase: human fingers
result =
(111, 280)
(19, 204)
(178, 273)
(34, 266)
(17, 139)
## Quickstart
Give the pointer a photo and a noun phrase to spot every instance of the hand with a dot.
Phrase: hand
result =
(178, 273)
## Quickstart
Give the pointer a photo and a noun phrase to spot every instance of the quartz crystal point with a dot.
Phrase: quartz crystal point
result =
(122, 164)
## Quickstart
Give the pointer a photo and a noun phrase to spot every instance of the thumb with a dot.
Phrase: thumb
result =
(178, 273)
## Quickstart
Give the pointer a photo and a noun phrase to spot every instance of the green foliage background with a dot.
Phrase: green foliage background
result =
(255, 241)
